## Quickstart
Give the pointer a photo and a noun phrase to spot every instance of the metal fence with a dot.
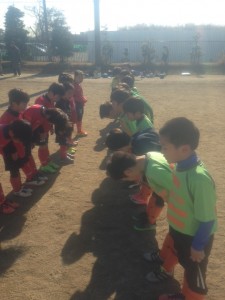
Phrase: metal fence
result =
(131, 51)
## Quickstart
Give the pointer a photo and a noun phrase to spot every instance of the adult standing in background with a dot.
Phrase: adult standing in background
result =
(15, 58)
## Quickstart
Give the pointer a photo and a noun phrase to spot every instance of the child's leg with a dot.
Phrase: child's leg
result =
(43, 154)
(168, 254)
(154, 208)
(5, 207)
(80, 112)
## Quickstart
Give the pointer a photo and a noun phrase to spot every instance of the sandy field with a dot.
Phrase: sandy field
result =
(73, 239)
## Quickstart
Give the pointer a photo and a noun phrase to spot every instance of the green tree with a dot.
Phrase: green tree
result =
(15, 29)
(61, 40)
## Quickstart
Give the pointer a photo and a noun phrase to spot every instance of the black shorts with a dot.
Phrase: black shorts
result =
(36, 137)
(195, 273)
(13, 165)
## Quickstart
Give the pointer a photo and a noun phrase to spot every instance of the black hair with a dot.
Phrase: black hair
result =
(68, 86)
(133, 105)
(65, 78)
(115, 140)
(78, 72)
(119, 96)
(57, 117)
(129, 80)
(181, 131)
(21, 130)
(105, 109)
(56, 89)
(119, 163)
(116, 71)
(18, 96)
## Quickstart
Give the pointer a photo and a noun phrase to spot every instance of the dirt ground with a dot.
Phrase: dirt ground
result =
(73, 240)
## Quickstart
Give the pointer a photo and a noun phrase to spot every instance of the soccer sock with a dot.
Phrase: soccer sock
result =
(63, 151)
(189, 294)
(153, 210)
(43, 154)
(168, 254)
(16, 183)
(2, 197)
(79, 126)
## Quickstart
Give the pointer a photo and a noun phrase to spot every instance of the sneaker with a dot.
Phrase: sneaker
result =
(158, 276)
(153, 256)
(42, 176)
(137, 199)
(36, 181)
(177, 296)
(47, 169)
(23, 193)
(67, 160)
(82, 133)
(7, 209)
(71, 150)
(53, 165)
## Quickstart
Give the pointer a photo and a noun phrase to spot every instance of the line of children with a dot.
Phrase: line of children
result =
(179, 178)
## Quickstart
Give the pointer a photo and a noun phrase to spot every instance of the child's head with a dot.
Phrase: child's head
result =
(55, 91)
(106, 110)
(117, 140)
(18, 100)
(68, 90)
(65, 78)
(129, 80)
(133, 108)
(124, 166)
(78, 76)
(118, 97)
(20, 131)
(179, 138)
(116, 71)
(56, 116)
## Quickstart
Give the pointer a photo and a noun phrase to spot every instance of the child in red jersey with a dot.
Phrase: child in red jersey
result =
(18, 131)
(55, 92)
(40, 119)
(80, 101)
(17, 103)
(64, 139)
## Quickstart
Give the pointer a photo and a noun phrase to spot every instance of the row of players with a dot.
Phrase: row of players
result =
(169, 170)
(24, 127)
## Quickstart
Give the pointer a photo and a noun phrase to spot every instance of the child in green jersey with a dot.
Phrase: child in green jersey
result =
(151, 169)
(191, 207)
(134, 109)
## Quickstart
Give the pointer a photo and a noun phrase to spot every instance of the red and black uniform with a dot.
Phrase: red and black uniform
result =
(24, 161)
(40, 127)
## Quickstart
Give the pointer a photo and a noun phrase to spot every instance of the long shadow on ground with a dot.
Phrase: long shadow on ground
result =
(107, 232)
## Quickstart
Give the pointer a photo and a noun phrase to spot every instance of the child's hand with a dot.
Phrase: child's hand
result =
(196, 255)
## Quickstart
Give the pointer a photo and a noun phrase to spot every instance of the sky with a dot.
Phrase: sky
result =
(116, 14)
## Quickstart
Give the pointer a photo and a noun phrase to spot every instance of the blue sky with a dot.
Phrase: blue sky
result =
(117, 13)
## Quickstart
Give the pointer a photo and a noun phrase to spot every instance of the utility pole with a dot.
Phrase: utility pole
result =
(98, 60)
(46, 24)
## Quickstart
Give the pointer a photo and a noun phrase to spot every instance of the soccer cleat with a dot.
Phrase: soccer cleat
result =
(47, 169)
(67, 160)
(153, 256)
(12, 203)
(158, 276)
(146, 227)
(6, 209)
(23, 193)
(53, 165)
(42, 176)
(35, 181)
(71, 150)
(82, 133)
(177, 296)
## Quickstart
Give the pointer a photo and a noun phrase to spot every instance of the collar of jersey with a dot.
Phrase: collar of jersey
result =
(188, 163)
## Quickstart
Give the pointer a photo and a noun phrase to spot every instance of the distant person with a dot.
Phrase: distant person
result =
(15, 59)
(1, 68)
